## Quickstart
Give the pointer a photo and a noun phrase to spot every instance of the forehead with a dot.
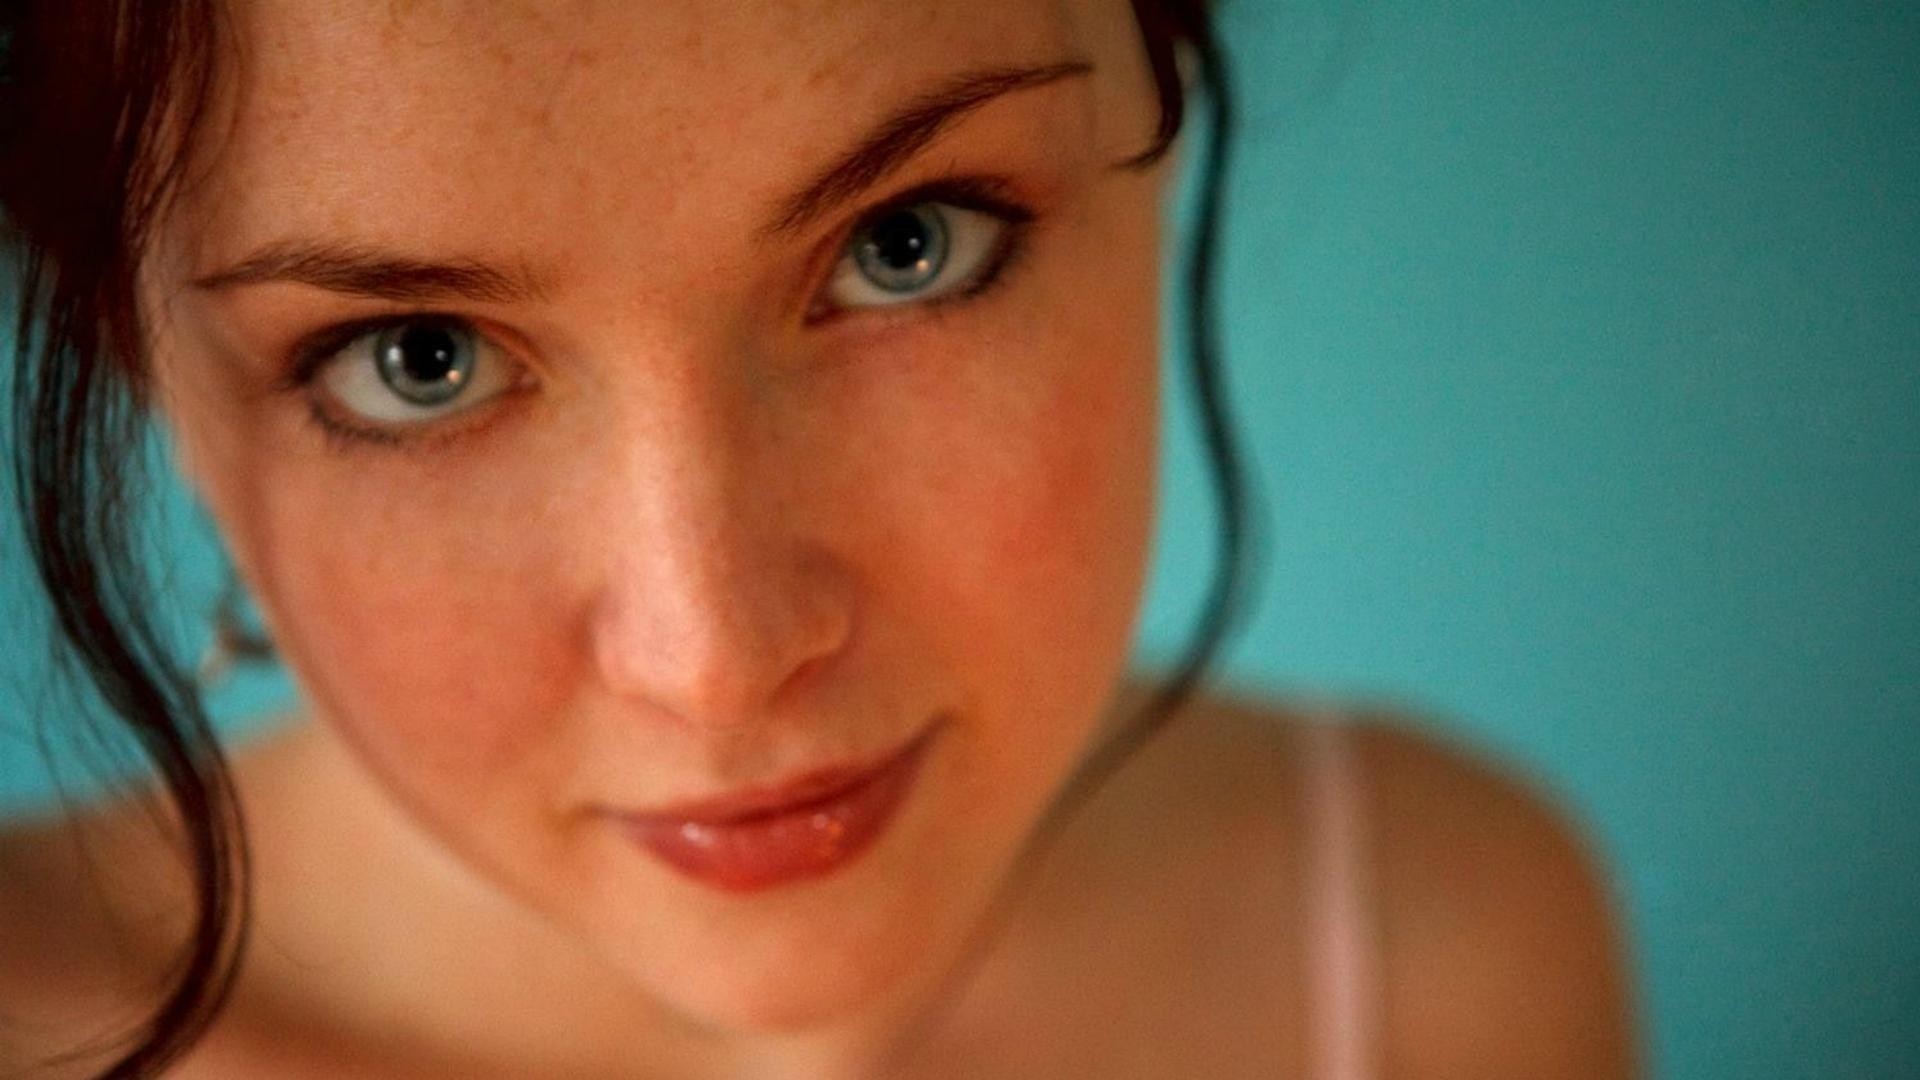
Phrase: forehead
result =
(439, 119)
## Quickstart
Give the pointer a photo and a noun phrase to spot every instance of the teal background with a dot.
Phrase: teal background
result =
(1578, 353)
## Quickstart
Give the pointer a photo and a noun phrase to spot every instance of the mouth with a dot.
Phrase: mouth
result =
(762, 837)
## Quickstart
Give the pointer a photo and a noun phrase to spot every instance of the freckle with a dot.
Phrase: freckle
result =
(820, 74)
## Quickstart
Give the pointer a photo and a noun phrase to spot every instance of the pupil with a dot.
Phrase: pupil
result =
(426, 353)
(427, 363)
(901, 241)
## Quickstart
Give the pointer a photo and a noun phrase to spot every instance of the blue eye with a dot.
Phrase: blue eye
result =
(920, 252)
(413, 370)
(425, 363)
(905, 250)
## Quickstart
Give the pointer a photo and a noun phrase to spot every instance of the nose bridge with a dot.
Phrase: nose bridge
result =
(713, 602)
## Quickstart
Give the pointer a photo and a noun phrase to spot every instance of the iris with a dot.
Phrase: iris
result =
(905, 250)
(425, 362)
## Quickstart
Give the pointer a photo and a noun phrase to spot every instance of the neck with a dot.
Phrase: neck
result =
(363, 916)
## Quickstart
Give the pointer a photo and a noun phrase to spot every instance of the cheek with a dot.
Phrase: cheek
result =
(413, 614)
(1041, 499)
(402, 596)
(1016, 498)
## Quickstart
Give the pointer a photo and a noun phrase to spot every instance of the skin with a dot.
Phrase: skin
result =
(708, 540)
(761, 592)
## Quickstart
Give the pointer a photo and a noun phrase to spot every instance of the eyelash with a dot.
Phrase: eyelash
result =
(986, 194)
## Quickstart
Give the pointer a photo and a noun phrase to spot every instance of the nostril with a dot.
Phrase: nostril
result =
(719, 663)
(804, 677)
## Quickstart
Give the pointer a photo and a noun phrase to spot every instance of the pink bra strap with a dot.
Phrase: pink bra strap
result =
(1341, 933)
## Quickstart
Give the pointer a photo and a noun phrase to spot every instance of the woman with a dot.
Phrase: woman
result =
(697, 461)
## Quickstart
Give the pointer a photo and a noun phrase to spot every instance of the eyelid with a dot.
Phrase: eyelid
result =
(310, 358)
(991, 194)
(311, 352)
(314, 350)
(983, 193)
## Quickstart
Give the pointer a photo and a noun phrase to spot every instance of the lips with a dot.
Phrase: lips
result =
(761, 838)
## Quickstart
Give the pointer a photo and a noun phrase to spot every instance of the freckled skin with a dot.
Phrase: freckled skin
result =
(712, 544)
(699, 541)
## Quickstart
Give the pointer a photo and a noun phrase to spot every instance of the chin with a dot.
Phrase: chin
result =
(773, 987)
(874, 936)
(797, 1001)
(786, 961)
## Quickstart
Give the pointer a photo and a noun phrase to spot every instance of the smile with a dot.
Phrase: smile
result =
(763, 837)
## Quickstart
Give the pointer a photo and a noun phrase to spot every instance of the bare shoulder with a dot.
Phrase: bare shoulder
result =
(95, 905)
(83, 921)
(1496, 936)
(1498, 939)
(1501, 951)
(29, 926)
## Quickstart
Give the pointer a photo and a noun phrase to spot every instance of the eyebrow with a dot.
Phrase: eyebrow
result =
(905, 132)
(359, 270)
(365, 271)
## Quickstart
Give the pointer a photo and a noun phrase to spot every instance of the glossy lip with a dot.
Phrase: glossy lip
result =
(765, 836)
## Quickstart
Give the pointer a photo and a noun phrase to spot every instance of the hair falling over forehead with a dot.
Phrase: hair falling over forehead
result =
(114, 91)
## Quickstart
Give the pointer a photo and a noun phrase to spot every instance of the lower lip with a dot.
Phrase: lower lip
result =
(767, 850)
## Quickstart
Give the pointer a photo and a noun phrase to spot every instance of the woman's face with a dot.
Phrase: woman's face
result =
(606, 466)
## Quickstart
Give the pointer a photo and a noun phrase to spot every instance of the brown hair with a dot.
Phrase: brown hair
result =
(99, 104)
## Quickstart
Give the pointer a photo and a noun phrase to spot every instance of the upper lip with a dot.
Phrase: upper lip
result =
(778, 797)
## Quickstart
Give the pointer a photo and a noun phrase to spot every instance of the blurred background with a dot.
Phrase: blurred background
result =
(1577, 353)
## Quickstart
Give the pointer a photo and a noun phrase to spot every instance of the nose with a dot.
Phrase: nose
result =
(715, 606)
